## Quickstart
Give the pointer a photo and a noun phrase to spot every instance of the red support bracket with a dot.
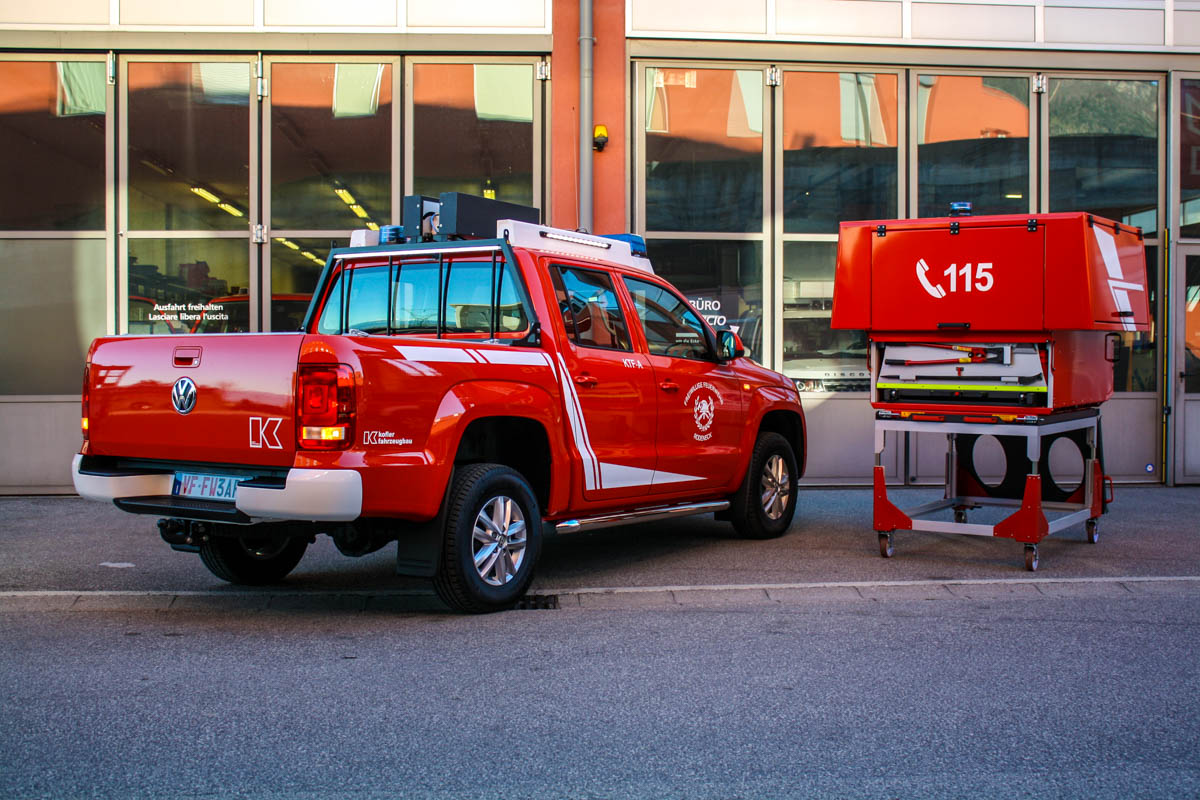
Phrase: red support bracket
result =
(887, 516)
(1027, 524)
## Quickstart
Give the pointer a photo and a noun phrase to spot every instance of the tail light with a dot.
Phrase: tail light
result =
(84, 411)
(325, 407)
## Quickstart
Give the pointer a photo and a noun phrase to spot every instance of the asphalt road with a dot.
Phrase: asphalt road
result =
(682, 663)
(1090, 696)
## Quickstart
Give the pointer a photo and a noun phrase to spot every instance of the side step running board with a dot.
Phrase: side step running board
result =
(644, 515)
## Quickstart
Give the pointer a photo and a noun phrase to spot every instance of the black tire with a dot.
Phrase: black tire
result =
(749, 509)
(480, 492)
(252, 561)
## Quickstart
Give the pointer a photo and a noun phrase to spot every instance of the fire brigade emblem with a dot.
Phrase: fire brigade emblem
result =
(703, 398)
(703, 411)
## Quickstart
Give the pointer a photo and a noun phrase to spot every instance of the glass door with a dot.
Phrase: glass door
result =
(1187, 377)
(188, 195)
(1104, 154)
(331, 155)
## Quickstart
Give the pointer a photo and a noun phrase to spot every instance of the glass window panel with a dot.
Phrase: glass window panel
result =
(671, 327)
(469, 298)
(177, 285)
(473, 130)
(296, 266)
(972, 144)
(331, 145)
(817, 357)
(53, 303)
(722, 280)
(840, 157)
(704, 140)
(590, 308)
(1189, 159)
(1104, 149)
(189, 157)
(52, 127)
(1191, 326)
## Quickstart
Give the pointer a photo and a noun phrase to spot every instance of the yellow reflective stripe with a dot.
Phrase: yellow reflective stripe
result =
(961, 387)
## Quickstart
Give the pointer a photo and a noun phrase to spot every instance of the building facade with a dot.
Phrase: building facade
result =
(187, 166)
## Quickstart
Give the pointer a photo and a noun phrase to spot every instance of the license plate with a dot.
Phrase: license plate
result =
(208, 487)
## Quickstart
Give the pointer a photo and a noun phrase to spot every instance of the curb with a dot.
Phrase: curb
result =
(631, 597)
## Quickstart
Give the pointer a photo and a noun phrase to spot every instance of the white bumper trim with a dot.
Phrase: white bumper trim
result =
(107, 488)
(318, 495)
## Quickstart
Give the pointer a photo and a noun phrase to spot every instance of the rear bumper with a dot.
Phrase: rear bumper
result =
(311, 495)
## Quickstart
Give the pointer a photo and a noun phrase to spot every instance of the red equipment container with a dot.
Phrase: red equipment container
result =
(1000, 325)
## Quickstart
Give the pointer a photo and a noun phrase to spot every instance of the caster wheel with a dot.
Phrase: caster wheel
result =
(886, 548)
(1031, 557)
(1092, 526)
(960, 516)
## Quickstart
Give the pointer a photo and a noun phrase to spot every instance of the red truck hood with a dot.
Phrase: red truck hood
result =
(243, 412)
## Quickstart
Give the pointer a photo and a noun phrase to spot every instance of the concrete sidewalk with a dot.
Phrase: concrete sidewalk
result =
(66, 553)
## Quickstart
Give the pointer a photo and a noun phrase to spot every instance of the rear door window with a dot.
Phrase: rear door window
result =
(590, 309)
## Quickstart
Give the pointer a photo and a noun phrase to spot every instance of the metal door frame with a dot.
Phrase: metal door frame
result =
(253, 213)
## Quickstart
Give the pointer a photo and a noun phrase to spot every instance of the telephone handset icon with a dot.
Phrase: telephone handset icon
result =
(935, 290)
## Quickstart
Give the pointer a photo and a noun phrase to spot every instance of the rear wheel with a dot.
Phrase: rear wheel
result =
(491, 542)
(764, 504)
(252, 561)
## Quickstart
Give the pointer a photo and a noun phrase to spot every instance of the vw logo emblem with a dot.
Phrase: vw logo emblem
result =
(183, 395)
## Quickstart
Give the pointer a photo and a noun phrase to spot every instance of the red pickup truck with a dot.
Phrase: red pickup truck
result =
(459, 397)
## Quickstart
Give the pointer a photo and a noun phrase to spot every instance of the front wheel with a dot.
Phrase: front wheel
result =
(250, 560)
(491, 542)
(764, 504)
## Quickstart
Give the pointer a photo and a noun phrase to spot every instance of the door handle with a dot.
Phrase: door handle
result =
(669, 386)
(1192, 374)
(587, 381)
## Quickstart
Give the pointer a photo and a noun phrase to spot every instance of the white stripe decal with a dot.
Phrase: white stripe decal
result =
(533, 358)
(671, 477)
(449, 355)
(1117, 285)
(591, 471)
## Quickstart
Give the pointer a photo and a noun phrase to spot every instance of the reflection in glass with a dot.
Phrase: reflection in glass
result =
(704, 140)
(817, 357)
(1136, 367)
(52, 301)
(296, 265)
(1104, 149)
(839, 149)
(473, 130)
(972, 144)
(52, 125)
(722, 280)
(1189, 159)
(189, 156)
(331, 145)
(178, 283)
(1191, 326)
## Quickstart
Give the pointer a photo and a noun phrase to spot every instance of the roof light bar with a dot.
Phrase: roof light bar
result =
(575, 239)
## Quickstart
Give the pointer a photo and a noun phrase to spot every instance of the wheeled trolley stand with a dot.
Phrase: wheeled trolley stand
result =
(1003, 325)
(1030, 497)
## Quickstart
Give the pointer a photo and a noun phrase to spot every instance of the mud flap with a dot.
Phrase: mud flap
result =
(419, 544)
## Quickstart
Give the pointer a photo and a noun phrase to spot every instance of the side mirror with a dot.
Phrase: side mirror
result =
(729, 346)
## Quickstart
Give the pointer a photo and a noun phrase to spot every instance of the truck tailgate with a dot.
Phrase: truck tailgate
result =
(243, 411)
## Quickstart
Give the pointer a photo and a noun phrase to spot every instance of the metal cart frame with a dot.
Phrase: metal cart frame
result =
(1028, 523)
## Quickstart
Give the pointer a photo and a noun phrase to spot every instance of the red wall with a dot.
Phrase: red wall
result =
(611, 193)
